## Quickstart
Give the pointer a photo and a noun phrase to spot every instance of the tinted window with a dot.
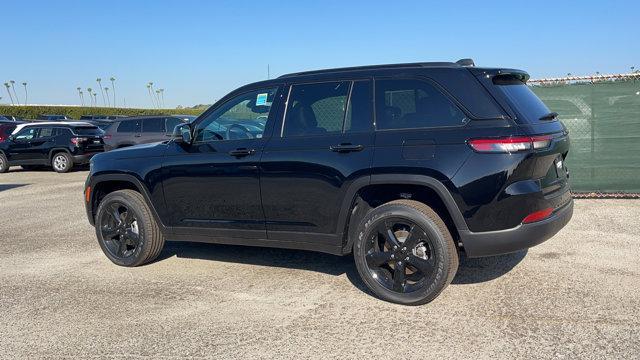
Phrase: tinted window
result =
(87, 131)
(26, 134)
(46, 132)
(172, 123)
(128, 126)
(524, 100)
(315, 109)
(153, 125)
(408, 103)
(242, 117)
(359, 112)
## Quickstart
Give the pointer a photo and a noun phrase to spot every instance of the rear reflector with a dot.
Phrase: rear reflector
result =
(510, 144)
(538, 215)
(87, 194)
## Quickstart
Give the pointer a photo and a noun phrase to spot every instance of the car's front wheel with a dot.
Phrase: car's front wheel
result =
(127, 231)
(405, 253)
(62, 162)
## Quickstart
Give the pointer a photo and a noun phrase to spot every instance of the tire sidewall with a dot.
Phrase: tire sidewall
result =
(436, 281)
(139, 255)
(67, 157)
(4, 163)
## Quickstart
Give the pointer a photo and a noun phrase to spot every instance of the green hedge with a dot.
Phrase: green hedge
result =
(32, 112)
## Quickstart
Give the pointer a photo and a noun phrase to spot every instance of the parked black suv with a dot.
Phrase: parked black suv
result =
(139, 130)
(401, 165)
(60, 145)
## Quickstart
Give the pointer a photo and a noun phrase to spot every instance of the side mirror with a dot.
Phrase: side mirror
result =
(182, 134)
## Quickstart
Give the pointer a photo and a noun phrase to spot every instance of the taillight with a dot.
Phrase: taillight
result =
(538, 215)
(77, 140)
(510, 144)
(106, 137)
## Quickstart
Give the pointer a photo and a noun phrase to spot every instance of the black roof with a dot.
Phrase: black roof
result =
(374, 67)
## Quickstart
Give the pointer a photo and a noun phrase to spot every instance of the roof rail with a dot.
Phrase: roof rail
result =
(370, 67)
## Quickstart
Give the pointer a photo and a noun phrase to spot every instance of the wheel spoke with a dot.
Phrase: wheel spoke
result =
(413, 237)
(108, 233)
(424, 266)
(125, 217)
(122, 247)
(133, 237)
(386, 230)
(377, 258)
(399, 276)
(114, 211)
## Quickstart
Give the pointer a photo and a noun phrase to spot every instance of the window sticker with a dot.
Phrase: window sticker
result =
(261, 99)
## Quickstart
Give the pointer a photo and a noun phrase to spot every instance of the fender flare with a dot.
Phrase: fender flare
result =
(381, 179)
(96, 180)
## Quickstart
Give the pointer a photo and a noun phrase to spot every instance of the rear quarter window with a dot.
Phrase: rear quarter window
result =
(522, 99)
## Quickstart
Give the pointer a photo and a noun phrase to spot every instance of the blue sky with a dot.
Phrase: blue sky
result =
(200, 50)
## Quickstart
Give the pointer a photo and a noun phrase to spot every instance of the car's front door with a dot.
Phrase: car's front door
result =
(308, 166)
(21, 147)
(212, 186)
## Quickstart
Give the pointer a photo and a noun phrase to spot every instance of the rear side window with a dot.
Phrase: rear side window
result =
(87, 131)
(316, 109)
(412, 103)
(154, 125)
(47, 132)
(522, 98)
(128, 127)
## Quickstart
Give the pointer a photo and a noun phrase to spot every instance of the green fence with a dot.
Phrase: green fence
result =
(603, 119)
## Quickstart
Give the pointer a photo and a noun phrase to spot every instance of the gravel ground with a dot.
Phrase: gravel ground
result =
(575, 296)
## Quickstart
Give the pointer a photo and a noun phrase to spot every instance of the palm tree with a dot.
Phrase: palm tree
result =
(101, 92)
(9, 91)
(14, 91)
(162, 97)
(26, 94)
(106, 91)
(158, 98)
(89, 90)
(150, 89)
(113, 87)
(80, 94)
(95, 99)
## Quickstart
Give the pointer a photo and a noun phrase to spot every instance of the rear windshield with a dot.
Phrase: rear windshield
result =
(525, 101)
(87, 131)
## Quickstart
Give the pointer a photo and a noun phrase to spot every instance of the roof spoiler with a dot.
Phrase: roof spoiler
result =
(466, 62)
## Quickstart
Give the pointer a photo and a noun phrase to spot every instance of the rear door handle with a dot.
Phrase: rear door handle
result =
(242, 152)
(345, 148)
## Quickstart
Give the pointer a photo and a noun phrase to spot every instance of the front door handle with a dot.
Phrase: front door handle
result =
(242, 152)
(345, 148)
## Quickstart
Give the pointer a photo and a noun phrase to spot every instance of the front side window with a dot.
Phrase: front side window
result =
(27, 134)
(316, 109)
(412, 103)
(242, 117)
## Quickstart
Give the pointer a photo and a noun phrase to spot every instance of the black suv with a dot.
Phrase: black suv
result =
(402, 165)
(60, 145)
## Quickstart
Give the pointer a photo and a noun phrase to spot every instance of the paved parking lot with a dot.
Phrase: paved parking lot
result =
(578, 295)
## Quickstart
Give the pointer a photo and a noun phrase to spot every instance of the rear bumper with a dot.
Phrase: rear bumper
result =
(83, 158)
(478, 244)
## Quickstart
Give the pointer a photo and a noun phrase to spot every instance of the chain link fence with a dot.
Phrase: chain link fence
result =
(603, 118)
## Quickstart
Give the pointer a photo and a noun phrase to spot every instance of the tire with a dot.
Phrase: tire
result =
(414, 274)
(61, 162)
(4, 164)
(138, 250)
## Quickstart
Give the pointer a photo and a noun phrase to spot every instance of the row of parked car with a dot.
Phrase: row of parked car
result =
(58, 142)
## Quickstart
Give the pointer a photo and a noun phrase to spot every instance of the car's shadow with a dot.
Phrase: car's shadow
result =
(4, 187)
(470, 271)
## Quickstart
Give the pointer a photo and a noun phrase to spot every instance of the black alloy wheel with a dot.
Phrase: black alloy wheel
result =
(120, 231)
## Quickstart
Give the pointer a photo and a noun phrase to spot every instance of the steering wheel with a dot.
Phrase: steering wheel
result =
(246, 131)
(209, 134)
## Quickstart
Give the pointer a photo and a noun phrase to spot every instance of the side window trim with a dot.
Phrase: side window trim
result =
(429, 81)
(346, 106)
(234, 94)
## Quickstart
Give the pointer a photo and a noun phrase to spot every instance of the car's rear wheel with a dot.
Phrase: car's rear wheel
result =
(61, 162)
(4, 163)
(127, 231)
(405, 253)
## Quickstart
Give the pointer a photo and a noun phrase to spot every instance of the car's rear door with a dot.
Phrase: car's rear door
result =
(324, 146)
(153, 129)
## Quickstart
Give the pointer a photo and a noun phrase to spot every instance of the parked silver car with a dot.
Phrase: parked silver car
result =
(139, 130)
